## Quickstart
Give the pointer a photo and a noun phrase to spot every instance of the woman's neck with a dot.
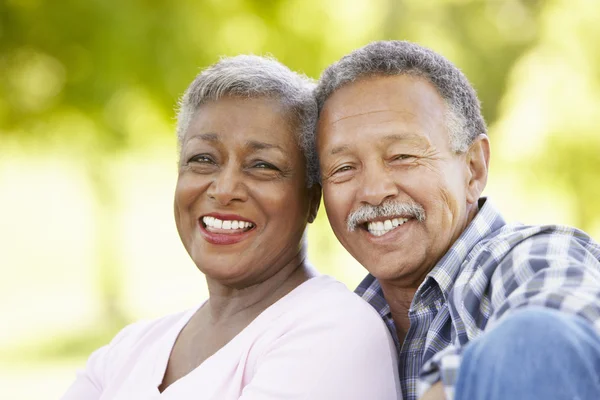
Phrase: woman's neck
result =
(227, 301)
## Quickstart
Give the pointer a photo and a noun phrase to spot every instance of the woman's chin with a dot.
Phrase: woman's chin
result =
(227, 273)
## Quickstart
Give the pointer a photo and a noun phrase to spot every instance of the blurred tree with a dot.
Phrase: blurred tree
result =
(484, 38)
(548, 131)
(72, 73)
(574, 167)
(102, 77)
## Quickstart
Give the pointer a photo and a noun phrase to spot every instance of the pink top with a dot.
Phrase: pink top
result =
(320, 341)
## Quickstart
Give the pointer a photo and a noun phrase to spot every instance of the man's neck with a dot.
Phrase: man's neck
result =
(399, 295)
(399, 299)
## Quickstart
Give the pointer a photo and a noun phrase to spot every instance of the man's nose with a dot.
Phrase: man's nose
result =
(228, 186)
(377, 186)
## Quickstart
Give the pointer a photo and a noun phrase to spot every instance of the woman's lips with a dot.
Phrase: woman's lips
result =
(225, 229)
(233, 223)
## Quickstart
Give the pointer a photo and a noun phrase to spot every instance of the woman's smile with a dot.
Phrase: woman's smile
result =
(221, 229)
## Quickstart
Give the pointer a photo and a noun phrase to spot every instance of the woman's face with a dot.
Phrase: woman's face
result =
(241, 202)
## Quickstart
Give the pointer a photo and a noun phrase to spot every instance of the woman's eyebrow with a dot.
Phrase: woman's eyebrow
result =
(208, 137)
(257, 145)
(253, 145)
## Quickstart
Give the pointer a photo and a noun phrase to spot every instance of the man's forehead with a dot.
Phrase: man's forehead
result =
(371, 113)
(383, 97)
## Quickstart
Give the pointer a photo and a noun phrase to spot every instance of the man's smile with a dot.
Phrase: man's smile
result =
(381, 227)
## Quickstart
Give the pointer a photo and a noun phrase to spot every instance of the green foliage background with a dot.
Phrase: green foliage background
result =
(87, 97)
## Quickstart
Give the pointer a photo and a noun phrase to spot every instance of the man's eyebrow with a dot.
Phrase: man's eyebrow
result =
(401, 137)
(257, 145)
(337, 150)
(404, 137)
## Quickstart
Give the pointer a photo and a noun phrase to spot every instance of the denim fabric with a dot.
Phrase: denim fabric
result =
(534, 353)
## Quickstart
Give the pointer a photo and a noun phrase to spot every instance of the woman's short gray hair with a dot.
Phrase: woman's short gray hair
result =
(463, 117)
(251, 76)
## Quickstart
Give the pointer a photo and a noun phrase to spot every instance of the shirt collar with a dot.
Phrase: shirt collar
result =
(445, 272)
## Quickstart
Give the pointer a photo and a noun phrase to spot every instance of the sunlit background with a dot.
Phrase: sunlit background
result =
(88, 151)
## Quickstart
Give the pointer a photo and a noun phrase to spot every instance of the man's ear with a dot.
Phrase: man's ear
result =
(314, 198)
(478, 161)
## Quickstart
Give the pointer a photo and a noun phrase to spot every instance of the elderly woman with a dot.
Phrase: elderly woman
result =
(272, 327)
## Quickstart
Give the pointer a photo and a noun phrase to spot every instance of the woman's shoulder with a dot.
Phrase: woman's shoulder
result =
(136, 338)
(328, 292)
(324, 298)
(332, 340)
(146, 330)
(112, 362)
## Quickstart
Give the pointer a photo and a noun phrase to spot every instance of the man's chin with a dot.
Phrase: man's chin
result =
(388, 268)
(384, 272)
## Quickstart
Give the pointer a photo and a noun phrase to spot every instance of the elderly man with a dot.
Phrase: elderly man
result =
(479, 308)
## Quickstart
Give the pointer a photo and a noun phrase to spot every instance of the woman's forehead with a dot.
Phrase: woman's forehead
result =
(264, 121)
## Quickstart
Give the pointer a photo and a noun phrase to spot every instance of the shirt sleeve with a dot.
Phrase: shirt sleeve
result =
(556, 271)
(89, 382)
(344, 358)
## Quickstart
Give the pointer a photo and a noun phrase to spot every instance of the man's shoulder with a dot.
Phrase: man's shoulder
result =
(516, 254)
(527, 240)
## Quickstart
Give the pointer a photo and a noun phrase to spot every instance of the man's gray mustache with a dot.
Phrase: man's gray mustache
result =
(387, 209)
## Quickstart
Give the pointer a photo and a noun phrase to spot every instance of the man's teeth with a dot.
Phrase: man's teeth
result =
(380, 228)
(212, 222)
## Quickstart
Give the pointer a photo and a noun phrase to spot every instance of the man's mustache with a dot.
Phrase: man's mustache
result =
(387, 209)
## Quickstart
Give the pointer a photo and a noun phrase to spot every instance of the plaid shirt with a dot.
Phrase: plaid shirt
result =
(492, 269)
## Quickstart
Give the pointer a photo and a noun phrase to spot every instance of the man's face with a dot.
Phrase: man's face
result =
(394, 191)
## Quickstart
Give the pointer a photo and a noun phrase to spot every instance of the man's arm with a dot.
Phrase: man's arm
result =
(436, 392)
(555, 271)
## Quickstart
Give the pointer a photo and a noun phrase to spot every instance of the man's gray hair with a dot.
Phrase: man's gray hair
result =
(250, 76)
(463, 116)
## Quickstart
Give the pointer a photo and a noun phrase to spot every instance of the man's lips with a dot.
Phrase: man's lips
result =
(383, 226)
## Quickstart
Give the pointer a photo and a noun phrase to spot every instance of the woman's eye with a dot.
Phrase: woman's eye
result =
(264, 165)
(201, 158)
(342, 169)
(402, 157)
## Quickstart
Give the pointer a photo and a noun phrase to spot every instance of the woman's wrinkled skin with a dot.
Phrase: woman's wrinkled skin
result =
(240, 159)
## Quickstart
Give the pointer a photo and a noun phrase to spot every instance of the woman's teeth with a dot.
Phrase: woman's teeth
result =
(212, 222)
(380, 228)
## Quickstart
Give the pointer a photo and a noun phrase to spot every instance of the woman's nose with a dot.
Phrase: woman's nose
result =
(228, 187)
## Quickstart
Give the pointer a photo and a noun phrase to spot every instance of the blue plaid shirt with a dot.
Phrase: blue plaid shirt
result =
(492, 269)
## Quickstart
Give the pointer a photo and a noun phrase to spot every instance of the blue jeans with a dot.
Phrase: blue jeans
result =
(534, 353)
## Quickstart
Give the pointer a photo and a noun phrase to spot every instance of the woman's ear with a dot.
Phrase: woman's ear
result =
(478, 161)
(314, 199)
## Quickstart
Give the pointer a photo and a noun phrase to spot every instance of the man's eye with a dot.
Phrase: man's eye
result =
(402, 157)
